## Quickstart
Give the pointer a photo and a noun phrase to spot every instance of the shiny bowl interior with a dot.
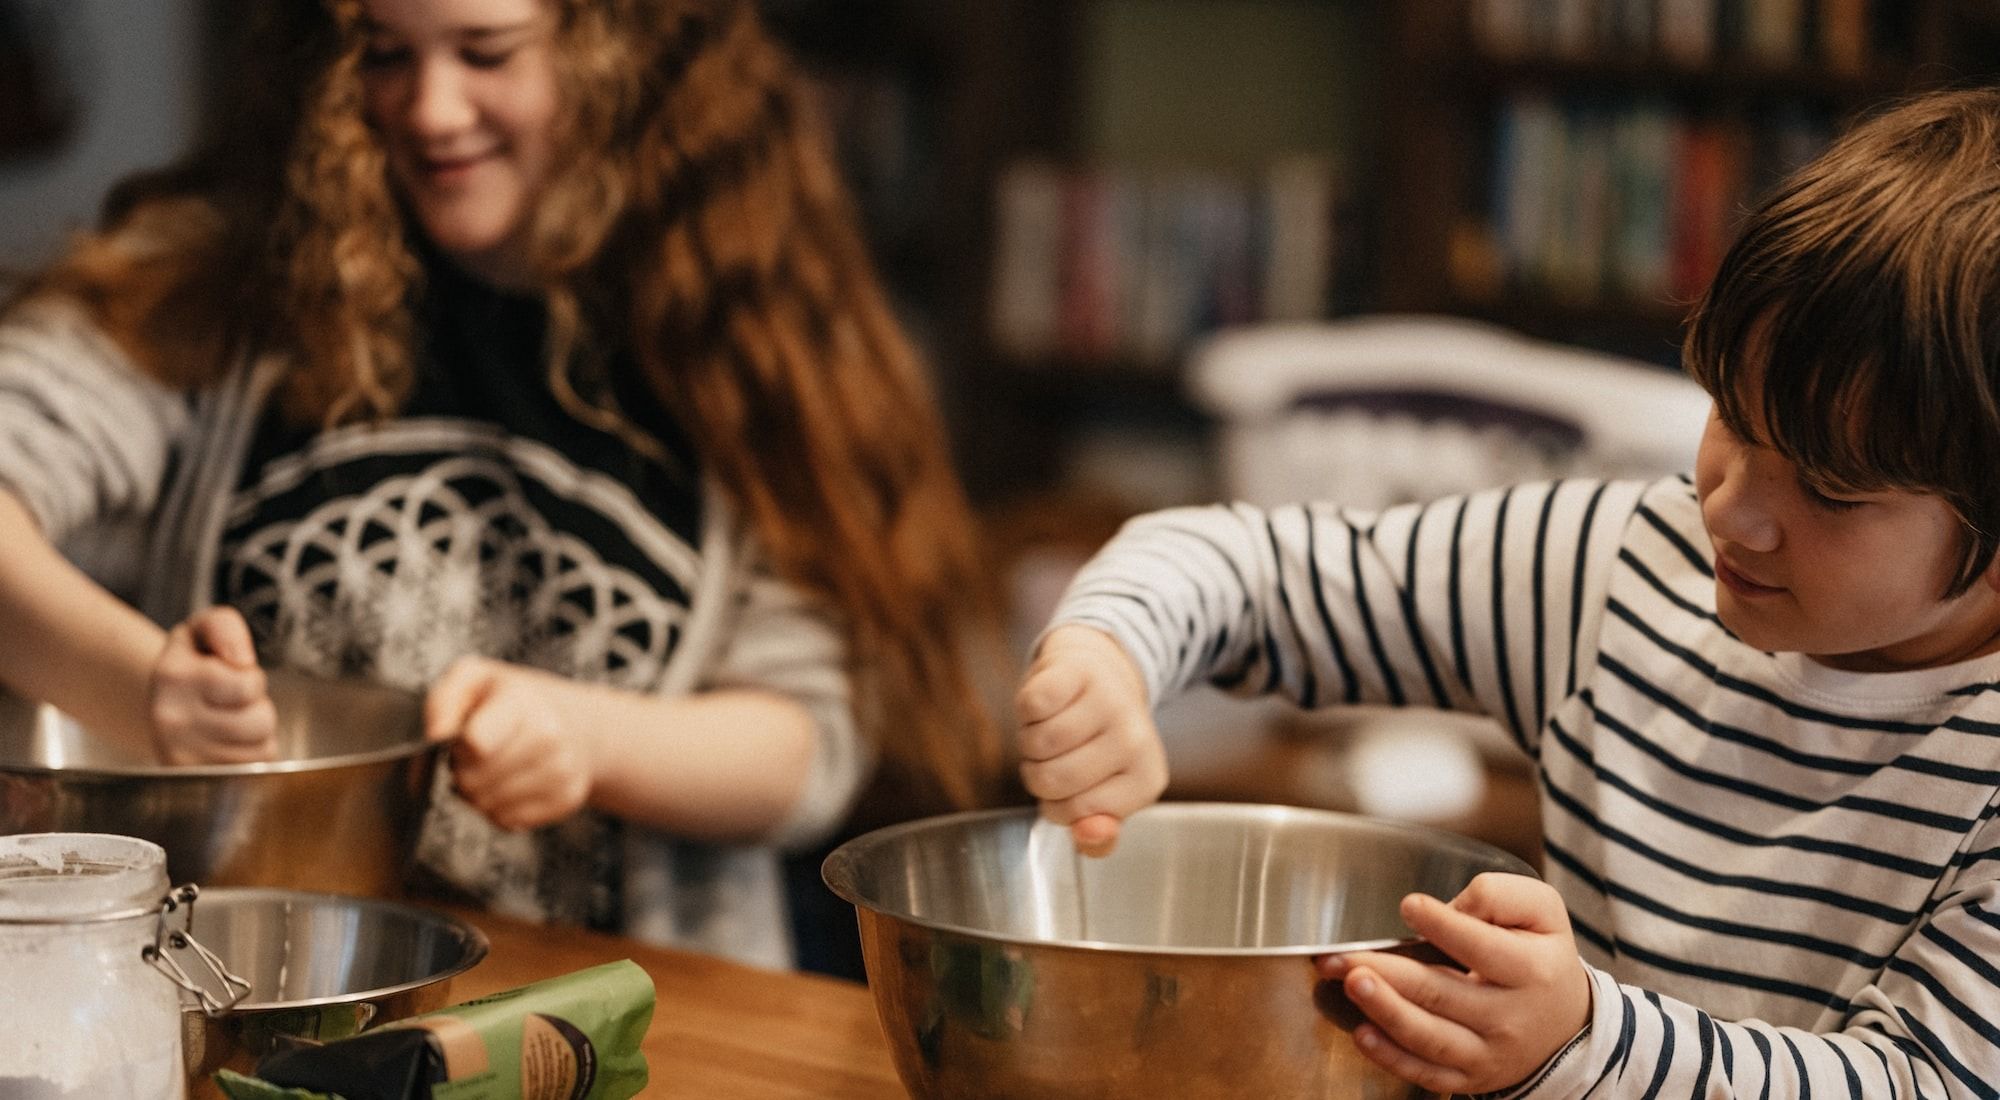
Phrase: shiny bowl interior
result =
(320, 966)
(338, 809)
(1005, 966)
(1186, 878)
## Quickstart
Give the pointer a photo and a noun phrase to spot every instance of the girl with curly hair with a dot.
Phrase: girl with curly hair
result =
(524, 352)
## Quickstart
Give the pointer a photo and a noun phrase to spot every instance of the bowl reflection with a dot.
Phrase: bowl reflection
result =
(338, 810)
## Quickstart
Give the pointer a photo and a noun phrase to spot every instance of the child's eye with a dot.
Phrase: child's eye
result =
(1829, 503)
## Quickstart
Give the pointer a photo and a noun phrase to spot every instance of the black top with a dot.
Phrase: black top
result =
(483, 520)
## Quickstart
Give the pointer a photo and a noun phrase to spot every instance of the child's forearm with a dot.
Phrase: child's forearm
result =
(68, 641)
(725, 766)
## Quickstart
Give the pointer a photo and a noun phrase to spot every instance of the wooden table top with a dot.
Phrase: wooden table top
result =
(720, 1031)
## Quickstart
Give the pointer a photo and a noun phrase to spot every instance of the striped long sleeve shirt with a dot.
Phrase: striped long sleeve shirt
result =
(1782, 876)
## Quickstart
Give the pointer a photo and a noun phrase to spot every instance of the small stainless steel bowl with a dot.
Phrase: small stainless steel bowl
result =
(320, 967)
(1004, 965)
(338, 810)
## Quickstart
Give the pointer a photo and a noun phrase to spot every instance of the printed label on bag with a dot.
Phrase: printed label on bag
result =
(557, 1060)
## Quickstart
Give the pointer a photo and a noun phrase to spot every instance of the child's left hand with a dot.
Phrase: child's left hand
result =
(1524, 994)
(512, 755)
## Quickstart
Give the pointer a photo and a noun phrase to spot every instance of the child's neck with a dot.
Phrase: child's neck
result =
(1931, 651)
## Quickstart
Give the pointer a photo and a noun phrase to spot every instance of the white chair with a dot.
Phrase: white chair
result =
(1340, 410)
(1381, 410)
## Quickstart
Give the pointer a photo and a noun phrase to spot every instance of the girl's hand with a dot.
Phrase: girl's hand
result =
(1089, 748)
(207, 698)
(1525, 993)
(513, 756)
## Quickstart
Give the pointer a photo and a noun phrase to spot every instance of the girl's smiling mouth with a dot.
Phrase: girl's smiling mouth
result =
(447, 170)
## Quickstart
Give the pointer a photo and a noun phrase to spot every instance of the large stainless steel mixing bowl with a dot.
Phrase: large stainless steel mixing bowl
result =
(337, 811)
(319, 967)
(1004, 965)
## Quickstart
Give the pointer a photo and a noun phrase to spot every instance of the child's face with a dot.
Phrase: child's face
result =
(1850, 579)
(464, 95)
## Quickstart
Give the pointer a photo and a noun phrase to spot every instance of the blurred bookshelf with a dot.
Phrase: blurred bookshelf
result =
(1068, 194)
(1575, 168)
(1107, 180)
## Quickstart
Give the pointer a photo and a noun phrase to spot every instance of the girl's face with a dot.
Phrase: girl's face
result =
(464, 95)
(1850, 579)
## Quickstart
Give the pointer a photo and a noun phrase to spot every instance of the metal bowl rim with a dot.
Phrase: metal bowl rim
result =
(833, 872)
(475, 941)
(399, 751)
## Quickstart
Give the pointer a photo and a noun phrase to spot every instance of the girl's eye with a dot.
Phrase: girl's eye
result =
(480, 59)
(382, 57)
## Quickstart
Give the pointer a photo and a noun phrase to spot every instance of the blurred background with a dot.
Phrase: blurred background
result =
(1071, 198)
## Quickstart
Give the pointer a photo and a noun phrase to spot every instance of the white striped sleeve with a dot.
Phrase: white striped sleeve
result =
(1488, 602)
(1925, 1029)
(84, 436)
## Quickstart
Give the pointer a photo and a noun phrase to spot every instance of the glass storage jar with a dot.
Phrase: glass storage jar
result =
(91, 1009)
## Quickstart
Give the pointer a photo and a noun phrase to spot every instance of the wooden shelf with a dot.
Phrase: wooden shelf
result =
(1724, 79)
(1543, 307)
(1647, 331)
(1071, 374)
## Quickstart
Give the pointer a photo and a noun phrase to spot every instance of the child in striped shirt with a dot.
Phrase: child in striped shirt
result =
(1764, 702)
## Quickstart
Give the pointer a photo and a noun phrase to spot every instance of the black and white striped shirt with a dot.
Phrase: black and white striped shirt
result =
(1782, 875)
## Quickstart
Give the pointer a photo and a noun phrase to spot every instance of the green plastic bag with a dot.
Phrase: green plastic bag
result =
(576, 1037)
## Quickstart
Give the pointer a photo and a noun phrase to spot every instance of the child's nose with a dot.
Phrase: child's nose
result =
(1736, 511)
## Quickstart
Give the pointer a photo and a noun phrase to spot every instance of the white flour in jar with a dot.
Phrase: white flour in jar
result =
(89, 1016)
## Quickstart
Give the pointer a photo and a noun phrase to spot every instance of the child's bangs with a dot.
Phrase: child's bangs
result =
(1818, 367)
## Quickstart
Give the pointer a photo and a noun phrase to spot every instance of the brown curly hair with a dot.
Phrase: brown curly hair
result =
(696, 220)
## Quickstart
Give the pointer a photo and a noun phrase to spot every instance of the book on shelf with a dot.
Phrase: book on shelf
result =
(1642, 175)
(1708, 173)
(1500, 27)
(1572, 29)
(1629, 203)
(1628, 25)
(1090, 290)
(1842, 35)
(1098, 265)
(1774, 31)
(1686, 30)
(1027, 257)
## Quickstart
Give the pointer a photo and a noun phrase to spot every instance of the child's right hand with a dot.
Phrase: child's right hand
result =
(208, 700)
(1089, 748)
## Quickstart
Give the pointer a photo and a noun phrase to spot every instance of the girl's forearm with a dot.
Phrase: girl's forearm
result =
(725, 766)
(65, 640)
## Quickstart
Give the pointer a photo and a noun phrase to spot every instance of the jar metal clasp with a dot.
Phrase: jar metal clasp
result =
(166, 936)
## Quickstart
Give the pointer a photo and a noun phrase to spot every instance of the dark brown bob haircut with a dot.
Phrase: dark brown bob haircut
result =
(1863, 300)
